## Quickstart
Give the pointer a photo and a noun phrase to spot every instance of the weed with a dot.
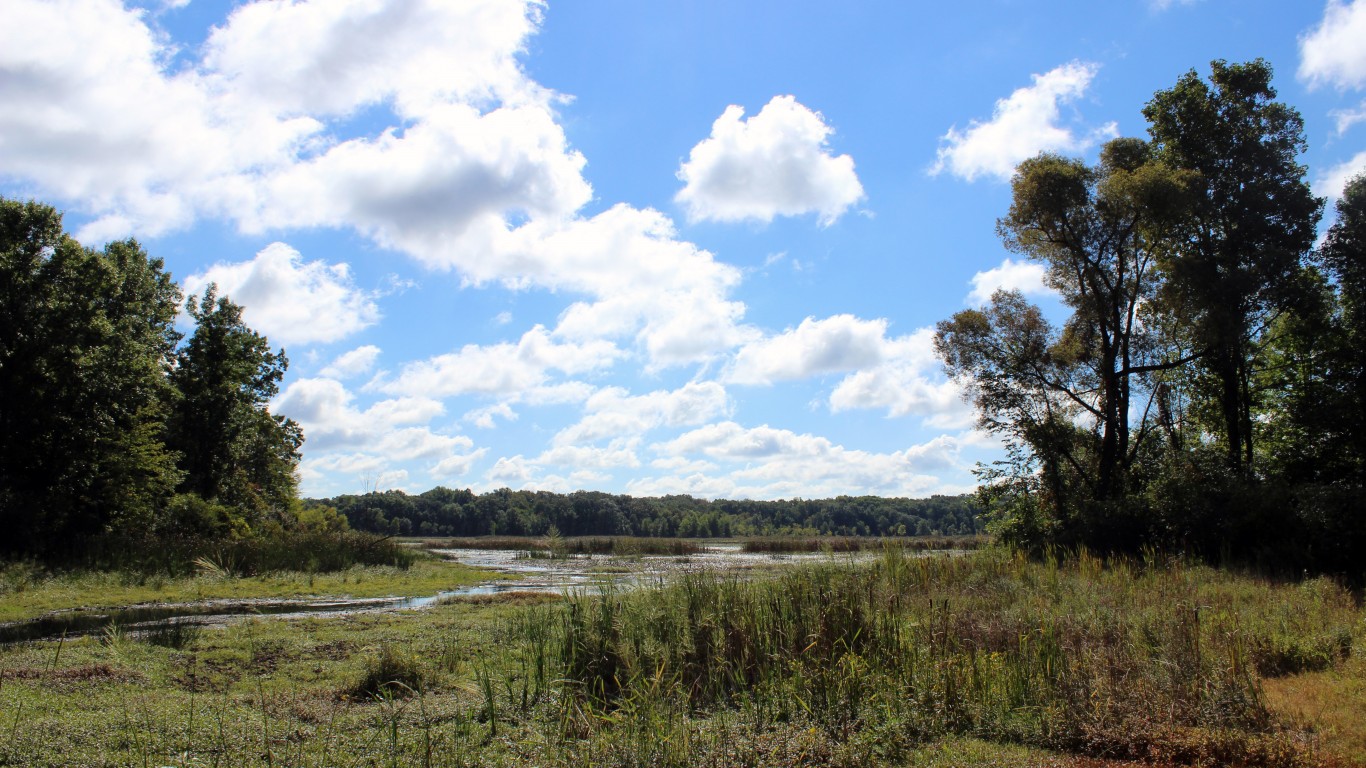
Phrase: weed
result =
(390, 673)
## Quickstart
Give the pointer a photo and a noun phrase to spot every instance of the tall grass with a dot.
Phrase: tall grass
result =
(781, 544)
(305, 551)
(1129, 660)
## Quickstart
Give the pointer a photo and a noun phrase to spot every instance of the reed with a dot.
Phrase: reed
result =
(1114, 660)
(898, 659)
(789, 544)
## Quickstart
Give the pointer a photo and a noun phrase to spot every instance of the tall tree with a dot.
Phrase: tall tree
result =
(234, 451)
(1253, 223)
(1066, 400)
(1343, 256)
(86, 341)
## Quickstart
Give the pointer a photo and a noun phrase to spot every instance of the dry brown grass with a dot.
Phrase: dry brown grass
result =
(1330, 704)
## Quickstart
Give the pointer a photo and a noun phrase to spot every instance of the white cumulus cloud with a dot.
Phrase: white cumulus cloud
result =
(1334, 180)
(289, 300)
(908, 383)
(1026, 277)
(1027, 122)
(838, 343)
(1334, 53)
(353, 363)
(345, 440)
(777, 163)
(411, 123)
(767, 463)
(502, 369)
(612, 412)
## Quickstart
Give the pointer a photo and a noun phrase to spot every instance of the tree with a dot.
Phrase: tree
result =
(1237, 267)
(233, 450)
(1065, 399)
(86, 341)
(1342, 359)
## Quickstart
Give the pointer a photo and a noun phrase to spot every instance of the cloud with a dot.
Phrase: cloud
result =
(777, 163)
(457, 465)
(325, 409)
(1162, 5)
(1027, 122)
(1332, 53)
(500, 369)
(453, 171)
(483, 418)
(331, 58)
(838, 343)
(908, 382)
(594, 457)
(1334, 180)
(764, 462)
(1026, 277)
(671, 298)
(412, 124)
(357, 361)
(1344, 119)
(92, 117)
(289, 300)
(345, 440)
(612, 413)
(248, 132)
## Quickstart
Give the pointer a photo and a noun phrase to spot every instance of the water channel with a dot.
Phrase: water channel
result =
(530, 573)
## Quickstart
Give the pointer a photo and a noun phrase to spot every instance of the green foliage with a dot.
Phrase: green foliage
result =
(1204, 395)
(86, 340)
(234, 451)
(1073, 403)
(113, 432)
(1246, 237)
(504, 512)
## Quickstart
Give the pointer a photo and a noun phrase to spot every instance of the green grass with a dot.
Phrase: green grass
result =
(978, 660)
(780, 544)
(26, 592)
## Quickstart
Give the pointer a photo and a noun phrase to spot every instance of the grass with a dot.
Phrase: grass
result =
(26, 592)
(179, 555)
(979, 660)
(781, 544)
(1330, 704)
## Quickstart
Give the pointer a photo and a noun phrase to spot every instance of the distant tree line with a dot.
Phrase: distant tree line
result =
(505, 512)
(112, 423)
(1207, 392)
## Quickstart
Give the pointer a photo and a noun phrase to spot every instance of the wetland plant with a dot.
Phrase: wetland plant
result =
(390, 673)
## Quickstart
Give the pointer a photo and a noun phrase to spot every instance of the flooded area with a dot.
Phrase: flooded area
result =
(540, 573)
(530, 571)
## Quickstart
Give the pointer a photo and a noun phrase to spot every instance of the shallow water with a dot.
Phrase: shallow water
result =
(579, 572)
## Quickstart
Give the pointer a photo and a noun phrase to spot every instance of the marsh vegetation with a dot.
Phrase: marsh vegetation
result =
(987, 658)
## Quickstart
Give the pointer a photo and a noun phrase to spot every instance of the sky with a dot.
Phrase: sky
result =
(637, 247)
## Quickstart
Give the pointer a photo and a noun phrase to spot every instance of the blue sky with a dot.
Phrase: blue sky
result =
(639, 247)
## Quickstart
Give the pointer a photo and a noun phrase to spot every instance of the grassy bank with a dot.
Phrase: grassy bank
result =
(780, 544)
(27, 591)
(983, 659)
